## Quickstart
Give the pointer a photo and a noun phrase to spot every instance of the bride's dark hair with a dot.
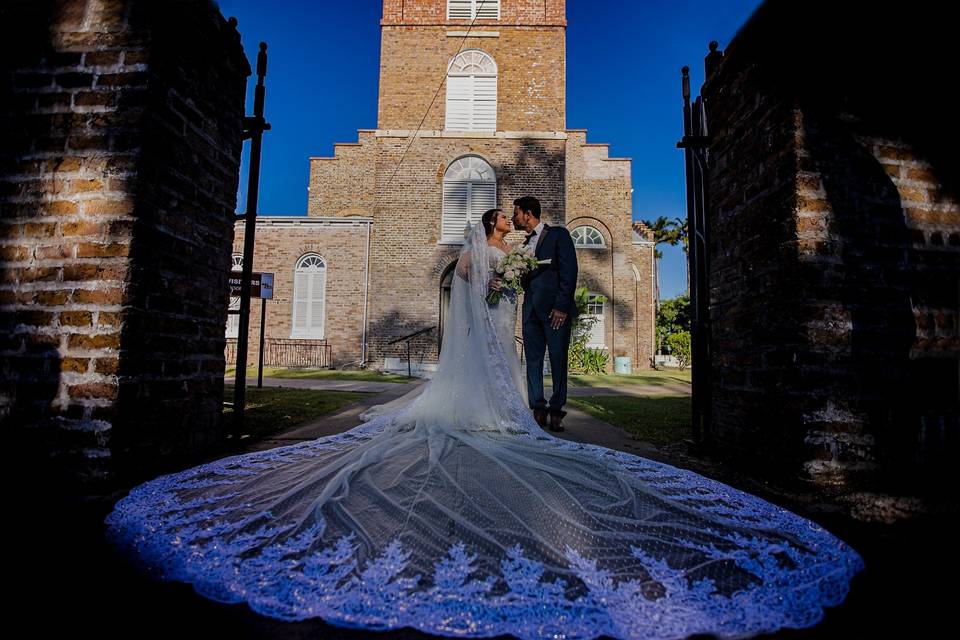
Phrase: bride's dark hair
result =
(489, 220)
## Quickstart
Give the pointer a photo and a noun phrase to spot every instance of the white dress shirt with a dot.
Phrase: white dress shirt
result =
(534, 239)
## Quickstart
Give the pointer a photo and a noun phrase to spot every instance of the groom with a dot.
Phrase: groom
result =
(548, 308)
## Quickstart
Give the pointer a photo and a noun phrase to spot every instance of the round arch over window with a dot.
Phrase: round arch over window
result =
(471, 92)
(587, 237)
(309, 297)
(469, 189)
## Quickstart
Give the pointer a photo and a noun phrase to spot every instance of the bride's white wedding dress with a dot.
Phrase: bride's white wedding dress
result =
(452, 512)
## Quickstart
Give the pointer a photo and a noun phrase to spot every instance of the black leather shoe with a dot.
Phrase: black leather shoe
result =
(556, 417)
(540, 415)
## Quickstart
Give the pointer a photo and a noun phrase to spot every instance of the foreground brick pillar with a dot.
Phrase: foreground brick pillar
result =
(835, 250)
(120, 142)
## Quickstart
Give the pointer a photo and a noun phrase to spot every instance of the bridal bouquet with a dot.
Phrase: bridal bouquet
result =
(511, 269)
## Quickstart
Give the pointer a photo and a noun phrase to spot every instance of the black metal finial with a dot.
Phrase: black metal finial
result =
(712, 59)
(685, 70)
(262, 62)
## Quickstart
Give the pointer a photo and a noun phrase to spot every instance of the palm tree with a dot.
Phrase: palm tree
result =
(680, 235)
(663, 232)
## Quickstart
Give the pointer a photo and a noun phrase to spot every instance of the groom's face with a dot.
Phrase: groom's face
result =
(519, 218)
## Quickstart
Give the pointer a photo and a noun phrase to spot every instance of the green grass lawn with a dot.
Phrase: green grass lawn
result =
(322, 374)
(652, 378)
(273, 409)
(657, 419)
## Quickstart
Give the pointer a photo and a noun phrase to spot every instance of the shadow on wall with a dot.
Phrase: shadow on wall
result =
(877, 74)
(875, 281)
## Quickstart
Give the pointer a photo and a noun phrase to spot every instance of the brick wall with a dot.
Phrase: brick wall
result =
(834, 252)
(121, 140)
(529, 50)
(342, 244)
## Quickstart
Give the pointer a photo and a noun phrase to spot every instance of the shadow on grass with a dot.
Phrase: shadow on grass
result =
(275, 409)
(322, 374)
(659, 420)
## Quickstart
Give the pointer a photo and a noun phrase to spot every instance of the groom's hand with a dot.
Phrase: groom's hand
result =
(557, 318)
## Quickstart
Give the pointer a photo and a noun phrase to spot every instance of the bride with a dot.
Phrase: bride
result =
(451, 511)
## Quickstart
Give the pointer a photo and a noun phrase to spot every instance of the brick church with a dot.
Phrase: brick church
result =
(372, 260)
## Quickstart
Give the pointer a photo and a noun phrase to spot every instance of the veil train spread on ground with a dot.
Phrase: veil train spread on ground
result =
(453, 512)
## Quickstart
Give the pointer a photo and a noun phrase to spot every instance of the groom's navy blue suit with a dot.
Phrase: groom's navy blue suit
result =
(549, 286)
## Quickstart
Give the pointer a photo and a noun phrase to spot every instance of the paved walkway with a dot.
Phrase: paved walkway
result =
(579, 426)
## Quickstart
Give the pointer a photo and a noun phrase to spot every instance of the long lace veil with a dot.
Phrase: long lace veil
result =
(472, 385)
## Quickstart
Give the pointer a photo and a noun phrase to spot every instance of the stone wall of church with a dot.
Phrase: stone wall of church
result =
(343, 247)
(406, 259)
(512, 12)
(599, 195)
(530, 59)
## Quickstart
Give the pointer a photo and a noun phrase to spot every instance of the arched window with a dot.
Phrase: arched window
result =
(472, 92)
(469, 189)
(595, 310)
(588, 237)
(233, 319)
(470, 9)
(309, 296)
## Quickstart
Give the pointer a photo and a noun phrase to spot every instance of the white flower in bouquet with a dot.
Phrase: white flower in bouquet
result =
(511, 269)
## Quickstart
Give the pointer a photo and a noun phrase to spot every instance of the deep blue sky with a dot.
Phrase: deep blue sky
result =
(623, 85)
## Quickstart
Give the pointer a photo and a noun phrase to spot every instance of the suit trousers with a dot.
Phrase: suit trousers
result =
(538, 335)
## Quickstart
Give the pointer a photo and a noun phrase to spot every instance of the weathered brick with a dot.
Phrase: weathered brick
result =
(93, 390)
(102, 250)
(98, 296)
(76, 318)
(75, 365)
(106, 366)
(95, 341)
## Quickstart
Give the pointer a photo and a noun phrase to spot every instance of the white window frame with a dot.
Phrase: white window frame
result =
(582, 237)
(467, 9)
(307, 274)
(471, 98)
(469, 189)
(598, 328)
(233, 319)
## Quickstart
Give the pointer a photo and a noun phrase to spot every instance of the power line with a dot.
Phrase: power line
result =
(430, 106)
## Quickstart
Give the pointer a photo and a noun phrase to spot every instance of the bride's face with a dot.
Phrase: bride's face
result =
(502, 223)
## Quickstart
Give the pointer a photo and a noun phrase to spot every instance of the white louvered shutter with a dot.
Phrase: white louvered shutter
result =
(487, 9)
(459, 102)
(459, 9)
(483, 196)
(301, 286)
(597, 334)
(317, 302)
(484, 103)
(456, 196)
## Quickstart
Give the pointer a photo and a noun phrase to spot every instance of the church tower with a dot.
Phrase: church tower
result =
(509, 75)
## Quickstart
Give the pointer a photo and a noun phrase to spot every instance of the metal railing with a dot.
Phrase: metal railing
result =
(407, 338)
(288, 352)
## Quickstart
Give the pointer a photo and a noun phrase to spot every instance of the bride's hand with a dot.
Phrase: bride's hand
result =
(495, 284)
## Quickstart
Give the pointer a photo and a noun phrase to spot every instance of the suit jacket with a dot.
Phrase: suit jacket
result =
(551, 286)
